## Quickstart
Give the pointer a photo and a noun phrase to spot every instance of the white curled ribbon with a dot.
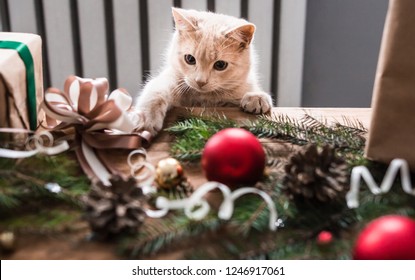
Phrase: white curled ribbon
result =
(39, 147)
(361, 172)
(196, 207)
(142, 170)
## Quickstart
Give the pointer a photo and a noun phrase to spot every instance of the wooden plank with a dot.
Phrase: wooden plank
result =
(59, 41)
(199, 5)
(229, 7)
(161, 28)
(329, 114)
(128, 44)
(291, 52)
(22, 16)
(93, 40)
(261, 13)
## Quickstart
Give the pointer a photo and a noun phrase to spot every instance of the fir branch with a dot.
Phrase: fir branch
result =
(29, 198)
(355, 125)
(44, 221)
(22, 186)
(190, 156)
(193, 133)
(8, 202)
(27, 178)
(159, 234)
(309, 130)
(251, 214)
(205, 125)
(252, 221)
(232, 246)
(279, 126)
(338, 135)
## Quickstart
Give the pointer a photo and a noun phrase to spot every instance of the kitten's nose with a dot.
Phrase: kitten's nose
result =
(201, 83)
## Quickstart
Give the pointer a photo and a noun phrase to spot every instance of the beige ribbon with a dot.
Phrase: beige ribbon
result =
(362, 172)
(196, 206)
(95, 120)
(35, 144)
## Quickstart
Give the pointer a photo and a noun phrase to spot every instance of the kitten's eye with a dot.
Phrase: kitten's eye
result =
(189, 59)
(220, 65)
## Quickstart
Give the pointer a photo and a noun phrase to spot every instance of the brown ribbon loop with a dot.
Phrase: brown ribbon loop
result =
(99, 140)
(103, 114)
(84, 113)
(84, 101)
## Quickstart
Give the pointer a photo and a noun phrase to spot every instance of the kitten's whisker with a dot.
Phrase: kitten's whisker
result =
(180, 89)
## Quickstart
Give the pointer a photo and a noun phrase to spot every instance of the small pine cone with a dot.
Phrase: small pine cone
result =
(115, 209)
(316, 174)
(184, 188)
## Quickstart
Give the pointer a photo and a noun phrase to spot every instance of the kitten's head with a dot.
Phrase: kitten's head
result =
(211, 51)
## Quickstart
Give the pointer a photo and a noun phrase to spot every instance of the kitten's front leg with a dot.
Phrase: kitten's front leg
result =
(256, 102)
(152, 105)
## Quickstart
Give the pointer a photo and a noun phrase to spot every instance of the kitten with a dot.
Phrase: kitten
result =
(210, 62)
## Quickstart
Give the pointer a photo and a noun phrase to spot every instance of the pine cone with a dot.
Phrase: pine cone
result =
(115, 209)
(316, 174)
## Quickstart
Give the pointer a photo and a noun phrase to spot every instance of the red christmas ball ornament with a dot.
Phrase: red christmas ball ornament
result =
(389, 237)
(324, 238)
(234, 157)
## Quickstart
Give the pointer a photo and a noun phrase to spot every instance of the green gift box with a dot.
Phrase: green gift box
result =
(21, 80)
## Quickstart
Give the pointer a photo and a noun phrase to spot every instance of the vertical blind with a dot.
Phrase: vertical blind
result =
(125, 40)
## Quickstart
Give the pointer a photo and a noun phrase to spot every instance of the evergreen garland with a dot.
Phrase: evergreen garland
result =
(23, 193)
(27, 206)
(193, 133)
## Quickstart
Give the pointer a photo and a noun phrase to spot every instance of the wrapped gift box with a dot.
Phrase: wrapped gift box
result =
(392, 131)
(21, 81)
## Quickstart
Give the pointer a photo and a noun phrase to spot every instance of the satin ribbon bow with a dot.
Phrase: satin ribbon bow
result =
(95, 120)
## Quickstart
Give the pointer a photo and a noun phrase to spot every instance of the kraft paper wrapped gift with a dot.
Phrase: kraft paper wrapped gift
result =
(21, 81)
(392, 131)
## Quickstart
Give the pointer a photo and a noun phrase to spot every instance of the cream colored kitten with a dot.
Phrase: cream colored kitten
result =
(210, 62)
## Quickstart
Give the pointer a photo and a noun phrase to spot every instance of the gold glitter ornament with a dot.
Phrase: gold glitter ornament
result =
(169, 173)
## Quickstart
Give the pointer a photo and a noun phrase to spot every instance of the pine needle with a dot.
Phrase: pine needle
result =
(158, 235)
(8, 202)
(193, 133)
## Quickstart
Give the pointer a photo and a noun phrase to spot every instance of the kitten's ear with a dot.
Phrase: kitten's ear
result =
(183, 21)
(243, 33)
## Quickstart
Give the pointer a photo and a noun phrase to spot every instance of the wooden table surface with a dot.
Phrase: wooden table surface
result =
(160, 146)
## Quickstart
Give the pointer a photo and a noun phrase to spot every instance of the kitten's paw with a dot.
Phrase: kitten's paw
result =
(256, 102)
(151, 122)
(136, 117)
